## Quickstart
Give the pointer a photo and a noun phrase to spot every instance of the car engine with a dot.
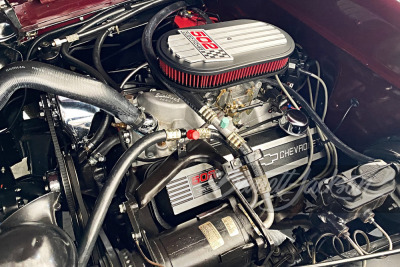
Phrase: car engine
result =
(154, 133)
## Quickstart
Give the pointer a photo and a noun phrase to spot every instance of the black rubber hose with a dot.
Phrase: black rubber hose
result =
(202, 14)
(191, 99)
(90, 23)
(329, 134)
(99, 134)
(106, 195)
(105, 123)
(84, 31)
(107, 145)
(54, 80)
(80, 64)
(97, 59)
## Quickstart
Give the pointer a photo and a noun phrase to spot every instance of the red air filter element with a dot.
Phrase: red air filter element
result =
(218, 54)
(210, 81)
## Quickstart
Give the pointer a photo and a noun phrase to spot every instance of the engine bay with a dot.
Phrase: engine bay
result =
(154, 133)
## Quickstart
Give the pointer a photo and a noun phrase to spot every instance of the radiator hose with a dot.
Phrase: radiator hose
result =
(54, 80)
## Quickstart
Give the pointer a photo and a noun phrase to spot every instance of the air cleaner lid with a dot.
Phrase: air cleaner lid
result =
(221, 47)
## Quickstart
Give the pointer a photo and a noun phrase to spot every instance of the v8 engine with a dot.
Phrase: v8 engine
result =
(153, 133)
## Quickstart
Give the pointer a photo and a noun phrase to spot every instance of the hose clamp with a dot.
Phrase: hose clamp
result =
(89, 146)
(207, 114)
(262, 183)
(139, 121)
(72, 38)
(235, 140)
(173, 134)
(205, 133)
(253, 156)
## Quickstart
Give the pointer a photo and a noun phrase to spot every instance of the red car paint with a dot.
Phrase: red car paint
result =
(194, 20)
(35, 14)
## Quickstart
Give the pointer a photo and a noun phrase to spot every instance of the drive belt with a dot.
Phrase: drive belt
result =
(65, 180)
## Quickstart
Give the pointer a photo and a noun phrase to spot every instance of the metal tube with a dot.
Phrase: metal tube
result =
(383, 232)
(357, 248)
(270, 210)
(355, 259)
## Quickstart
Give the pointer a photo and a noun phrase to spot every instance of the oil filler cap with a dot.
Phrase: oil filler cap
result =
(294, 122)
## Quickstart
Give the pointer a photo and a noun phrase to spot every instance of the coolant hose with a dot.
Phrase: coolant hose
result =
(107, 193)
(54, 80)
(107, 145)
(361, 158)
(99, 134)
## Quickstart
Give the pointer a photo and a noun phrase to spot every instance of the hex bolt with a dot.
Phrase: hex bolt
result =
(122, 208)
(92, 161)
(57, 206)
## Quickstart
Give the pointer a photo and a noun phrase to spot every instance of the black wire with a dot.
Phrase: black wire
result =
(90, 23)
(97, 59)
(255, 126)
(324, 128)
(131, 44)
(202, 14)
(126, 47)
(353, 104)
(342, 120)
(88, 47)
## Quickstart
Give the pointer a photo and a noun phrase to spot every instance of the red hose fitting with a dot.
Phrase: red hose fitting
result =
(193, 135)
